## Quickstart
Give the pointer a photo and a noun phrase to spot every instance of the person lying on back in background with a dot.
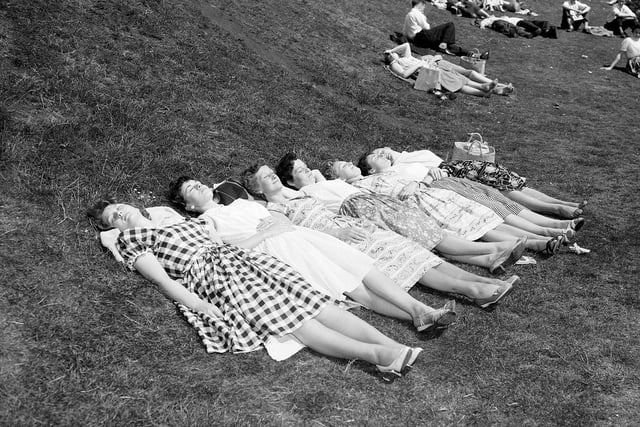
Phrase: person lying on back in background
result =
(452, 77)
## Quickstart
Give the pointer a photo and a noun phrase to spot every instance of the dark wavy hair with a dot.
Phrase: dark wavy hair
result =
(363, 163)
(250, 182)
(327, 169)
(284, 169)
(94, 213)
(174, 194)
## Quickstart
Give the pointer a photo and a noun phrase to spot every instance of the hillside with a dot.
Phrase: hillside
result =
(120, 97)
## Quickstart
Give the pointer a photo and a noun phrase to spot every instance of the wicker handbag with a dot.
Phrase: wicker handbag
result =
(473, 62)
(473, 149)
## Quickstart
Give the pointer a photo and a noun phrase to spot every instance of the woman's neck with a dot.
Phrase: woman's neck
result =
(277, 197)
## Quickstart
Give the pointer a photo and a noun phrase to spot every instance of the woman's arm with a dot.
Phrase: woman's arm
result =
(405, 72)
(147, 264)
(403, 50)
(271, 226)
(317, 175)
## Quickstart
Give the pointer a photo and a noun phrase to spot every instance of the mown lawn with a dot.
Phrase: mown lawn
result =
(119, 97)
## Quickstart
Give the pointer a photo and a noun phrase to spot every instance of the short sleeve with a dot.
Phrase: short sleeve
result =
(625, 44)
(133, 243)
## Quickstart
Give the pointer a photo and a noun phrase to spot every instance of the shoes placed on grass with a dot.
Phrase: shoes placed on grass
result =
(583, 204)
(499, 293)
(437, 319)
(509, 257)
(485, 55)
(394, 369)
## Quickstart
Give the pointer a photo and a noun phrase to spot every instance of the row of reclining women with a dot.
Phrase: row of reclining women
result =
(280, 271)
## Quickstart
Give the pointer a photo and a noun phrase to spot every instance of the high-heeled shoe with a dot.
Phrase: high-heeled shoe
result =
(553, 245)
(415, 352)
(394, 369)
(499, 293)
(435, 319)
(577, 224)
(508, 258)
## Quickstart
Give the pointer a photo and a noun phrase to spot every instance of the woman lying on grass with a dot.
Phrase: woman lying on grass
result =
(453, 78)
(512, 213)
(240, 298)
(630, 48)
(390, 213)
(328, 264)
(451, 211)
(417, 165)
(402, 259)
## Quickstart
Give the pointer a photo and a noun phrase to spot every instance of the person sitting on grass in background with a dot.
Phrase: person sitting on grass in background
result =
(630, 48)
(574, 15)
(453, 78)
(441, 38)
(467, 8)
(415, 165)
(622, 19)
(327, 263)
(237, 298)
(402, 259)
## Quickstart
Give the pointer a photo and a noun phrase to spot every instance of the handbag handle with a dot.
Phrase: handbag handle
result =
(473, 136)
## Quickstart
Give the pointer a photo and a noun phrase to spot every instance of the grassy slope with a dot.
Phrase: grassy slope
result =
(118, 97)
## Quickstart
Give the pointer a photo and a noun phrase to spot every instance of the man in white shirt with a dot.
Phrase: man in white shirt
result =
(574, 14)
(441, 38)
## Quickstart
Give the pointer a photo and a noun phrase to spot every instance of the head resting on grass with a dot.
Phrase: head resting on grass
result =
(374, 161)
(340, 169)
(260, 180)
(191, 195)
(293, 172)
(107, 214)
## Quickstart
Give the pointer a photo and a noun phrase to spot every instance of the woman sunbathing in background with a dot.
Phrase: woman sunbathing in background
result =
(402, 259)
(328, 264)
(236, 298)
(453, 77)
(416, 165)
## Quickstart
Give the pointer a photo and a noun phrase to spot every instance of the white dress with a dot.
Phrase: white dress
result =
(330, 265)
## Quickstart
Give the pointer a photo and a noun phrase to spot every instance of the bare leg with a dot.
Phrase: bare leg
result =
(545, 221)
(378, 304)
(526, 225)
(468, 90)
(381, 285)
(546, 198)
(354, 327)
(540, 206)
(443, 282)
(329, 342)
(454, 245)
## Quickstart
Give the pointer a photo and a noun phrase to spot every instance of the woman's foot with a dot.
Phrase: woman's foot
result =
(436, 319)
(553, 245)
(394, 369)
(499, 293)
(509, 257)
(577, 224)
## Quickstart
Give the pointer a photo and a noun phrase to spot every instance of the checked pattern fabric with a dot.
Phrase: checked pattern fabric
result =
(258, 295)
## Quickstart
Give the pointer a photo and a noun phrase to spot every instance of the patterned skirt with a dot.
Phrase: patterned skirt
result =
(633, 66)
(390, 213)
(259, 296)
(483, 194)
(487, 173)
(454, 213)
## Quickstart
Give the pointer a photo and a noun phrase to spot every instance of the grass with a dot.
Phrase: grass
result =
(119, 97)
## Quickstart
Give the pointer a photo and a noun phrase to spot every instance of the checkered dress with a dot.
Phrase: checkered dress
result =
(258, 295)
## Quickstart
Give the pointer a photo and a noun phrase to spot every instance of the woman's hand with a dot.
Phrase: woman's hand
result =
(272, 226)
(436, 173)
(210, 310)
(350, 234)
(408, 190)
